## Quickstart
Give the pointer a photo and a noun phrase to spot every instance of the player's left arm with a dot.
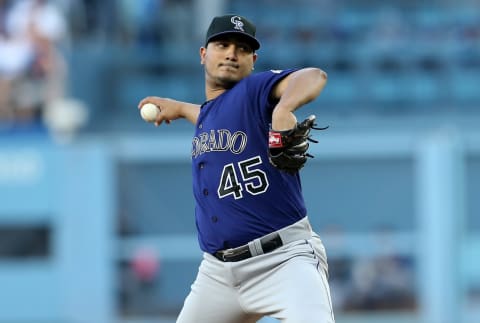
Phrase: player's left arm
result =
(294, 91)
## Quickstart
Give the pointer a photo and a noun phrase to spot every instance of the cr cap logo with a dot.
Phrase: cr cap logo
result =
(236, 20)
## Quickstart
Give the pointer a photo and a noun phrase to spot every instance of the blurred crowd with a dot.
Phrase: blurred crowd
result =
(377, 275)
(32, 69)
(36, 37)
(388, 41)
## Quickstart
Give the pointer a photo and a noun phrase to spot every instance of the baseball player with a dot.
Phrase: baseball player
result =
(261, 257)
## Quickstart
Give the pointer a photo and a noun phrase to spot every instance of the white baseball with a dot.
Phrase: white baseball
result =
(149, 112)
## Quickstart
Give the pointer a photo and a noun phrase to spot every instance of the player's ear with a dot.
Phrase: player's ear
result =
(203, 51)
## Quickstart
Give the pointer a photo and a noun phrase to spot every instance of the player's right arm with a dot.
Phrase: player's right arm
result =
(294, 91)
(172, 109)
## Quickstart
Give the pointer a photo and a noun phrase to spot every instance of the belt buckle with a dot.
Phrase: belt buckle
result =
(226, 253)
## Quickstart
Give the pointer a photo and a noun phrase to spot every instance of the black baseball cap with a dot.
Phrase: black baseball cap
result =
(232, 24)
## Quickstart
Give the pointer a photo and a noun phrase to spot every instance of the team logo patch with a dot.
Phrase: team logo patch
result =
(274, 140)
(236, 20)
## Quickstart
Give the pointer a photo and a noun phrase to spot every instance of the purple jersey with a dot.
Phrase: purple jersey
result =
(239, 195)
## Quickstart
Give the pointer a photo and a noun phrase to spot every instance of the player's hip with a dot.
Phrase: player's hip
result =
(302, 252)
(296, 238)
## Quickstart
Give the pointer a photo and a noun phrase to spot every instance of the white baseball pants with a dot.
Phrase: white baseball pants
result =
(289, 284)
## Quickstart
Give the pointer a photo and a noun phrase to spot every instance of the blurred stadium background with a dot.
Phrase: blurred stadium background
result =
(96, 210)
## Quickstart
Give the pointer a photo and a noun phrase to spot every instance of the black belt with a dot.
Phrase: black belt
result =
(268, 244)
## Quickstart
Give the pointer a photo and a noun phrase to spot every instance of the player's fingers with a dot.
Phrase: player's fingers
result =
(148, 99)
(142, 103)
(161, 118)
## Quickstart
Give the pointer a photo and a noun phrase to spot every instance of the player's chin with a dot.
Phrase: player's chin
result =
(228, 82)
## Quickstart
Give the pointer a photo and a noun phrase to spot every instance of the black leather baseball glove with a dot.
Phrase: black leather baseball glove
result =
(288, 149)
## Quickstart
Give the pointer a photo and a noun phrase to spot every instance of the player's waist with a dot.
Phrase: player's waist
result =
(300, 230)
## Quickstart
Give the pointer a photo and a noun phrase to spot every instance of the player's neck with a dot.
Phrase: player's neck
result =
(215, 87)
(212, 93)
